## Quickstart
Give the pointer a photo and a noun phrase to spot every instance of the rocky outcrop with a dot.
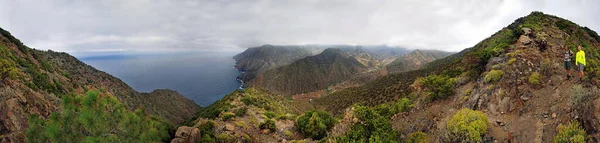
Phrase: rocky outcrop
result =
(186, 134)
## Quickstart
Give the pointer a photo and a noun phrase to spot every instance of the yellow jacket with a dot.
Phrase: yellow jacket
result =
(580, 57)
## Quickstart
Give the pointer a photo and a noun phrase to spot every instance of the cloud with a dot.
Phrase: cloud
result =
(185, 25)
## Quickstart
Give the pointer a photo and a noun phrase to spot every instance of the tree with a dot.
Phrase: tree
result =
(96, 118)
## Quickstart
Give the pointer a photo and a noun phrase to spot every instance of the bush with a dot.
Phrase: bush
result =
(268, 124)
(207, 132)
(270, 114)
(417, 137)
(97, 119)
(227, 116)
(511, 61)
(578, 97)
(493, 75)
(570, 133)
(402, 105)
(372, 127)
(467, 126)
(534, 78)
(437, 87)
(315, 123)
(241, 111)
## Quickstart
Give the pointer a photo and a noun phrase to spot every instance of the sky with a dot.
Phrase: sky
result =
(133, 26)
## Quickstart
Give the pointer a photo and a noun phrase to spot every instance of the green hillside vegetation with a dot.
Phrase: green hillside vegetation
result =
(34, 82)
(315, 124)
(312, 73)
(96, 117)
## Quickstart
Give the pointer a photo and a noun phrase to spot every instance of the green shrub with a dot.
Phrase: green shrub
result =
(372, 127)
(534, 78)
(437, 87)
(268, 124)
(570, 133)
(270, 114)
(227, 116)
(403, 105)
(241, 111)
(417, 137)
(207, 132)
(493, 75)
(467, 126)
(511, 61)
(94, 118)
(315, 123)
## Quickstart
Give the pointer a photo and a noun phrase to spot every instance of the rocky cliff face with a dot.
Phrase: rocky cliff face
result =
(33, 81)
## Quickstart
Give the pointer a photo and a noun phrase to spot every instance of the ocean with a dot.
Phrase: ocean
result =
(202, 77)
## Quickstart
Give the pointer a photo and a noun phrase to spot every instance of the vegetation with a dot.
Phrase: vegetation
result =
(227, 116)
(268, 124)
(578, 97)
(570, 133)
(270, 114)
(437, 87)
(207, 133)
(372, 127)
(493, 76)
(511, 61)
(96, 118)
(241, 111)
(315, 123)
(417, 137)
(534, 78)
(467, 126)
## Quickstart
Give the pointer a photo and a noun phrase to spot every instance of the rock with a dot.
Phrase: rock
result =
(527, 31)
(524, 98)
(553, 115)
(265, 131)
(229, 127)
(525, 40)
(186, 134)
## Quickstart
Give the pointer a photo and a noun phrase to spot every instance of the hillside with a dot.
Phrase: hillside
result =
(511, 87)
(254, 61)
(311, 73)
(515, 78)
(415, 60)
(34, 82)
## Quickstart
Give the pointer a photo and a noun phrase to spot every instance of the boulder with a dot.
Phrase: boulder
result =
(186, 134)
(527, 31)
(525, 40)
(229, 127)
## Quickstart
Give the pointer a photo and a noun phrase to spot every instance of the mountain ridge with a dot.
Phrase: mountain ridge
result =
(34, 81)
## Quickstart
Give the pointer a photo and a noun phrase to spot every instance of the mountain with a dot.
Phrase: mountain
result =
(311, 73)
(415, 60)
(34, 82)
(256, 60)
(510, 87)
(514, 79)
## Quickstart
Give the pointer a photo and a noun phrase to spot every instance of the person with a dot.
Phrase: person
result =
(568, 55)
(580, 61)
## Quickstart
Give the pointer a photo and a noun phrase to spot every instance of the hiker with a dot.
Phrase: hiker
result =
(580, 61)
(568, 55)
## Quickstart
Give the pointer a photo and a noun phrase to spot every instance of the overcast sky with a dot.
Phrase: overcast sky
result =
(106, 26)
